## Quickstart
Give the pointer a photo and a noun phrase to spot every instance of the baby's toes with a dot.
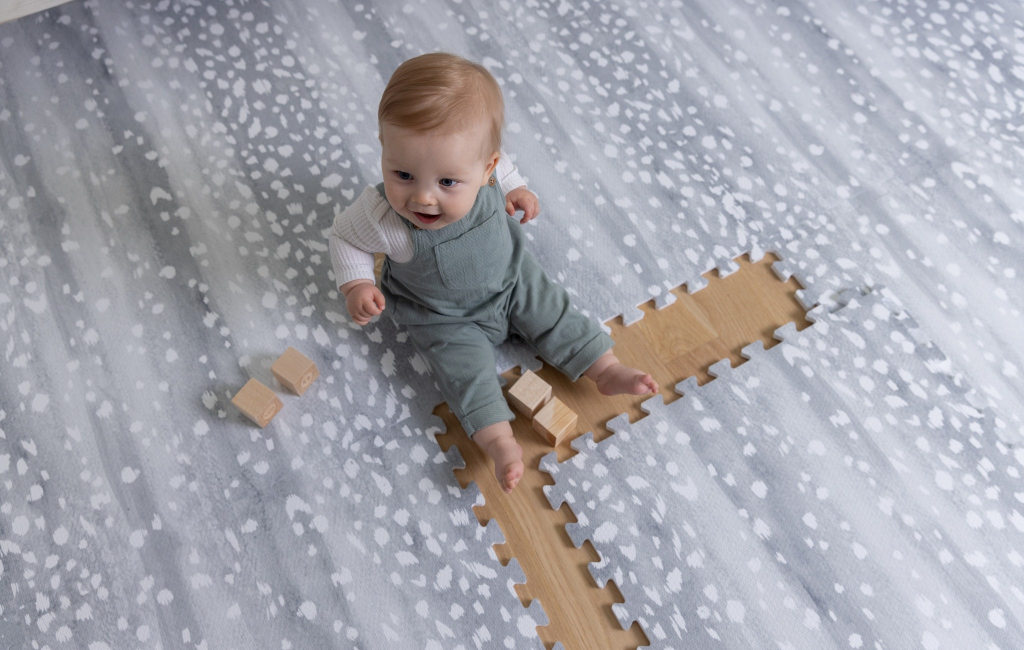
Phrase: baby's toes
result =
(512, 475)
(644, 384)
(651, 384)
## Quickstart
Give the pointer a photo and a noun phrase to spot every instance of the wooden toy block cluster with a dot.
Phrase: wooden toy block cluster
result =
(532, 397)
(293, 369)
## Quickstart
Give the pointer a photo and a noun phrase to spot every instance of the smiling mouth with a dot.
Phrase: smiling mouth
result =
(427, 218)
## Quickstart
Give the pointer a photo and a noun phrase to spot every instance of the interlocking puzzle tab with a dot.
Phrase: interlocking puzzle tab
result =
(555, 421)
(295, 370)
(529, 394)
(257, 402)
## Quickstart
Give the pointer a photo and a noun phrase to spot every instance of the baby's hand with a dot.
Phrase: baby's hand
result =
(522, 199)
(364, 301)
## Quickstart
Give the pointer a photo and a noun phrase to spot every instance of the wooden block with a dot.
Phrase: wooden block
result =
(555, 421)
(257, 402)
(529, 393)
(295, 371)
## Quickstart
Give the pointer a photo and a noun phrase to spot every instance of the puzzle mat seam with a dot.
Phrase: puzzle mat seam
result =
(549, 462)
(724, 268)
(815, 310)
(437, 427)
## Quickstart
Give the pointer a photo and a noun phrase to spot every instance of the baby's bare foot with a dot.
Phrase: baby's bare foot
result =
(618, 379)
(508, 462)
(497, 441)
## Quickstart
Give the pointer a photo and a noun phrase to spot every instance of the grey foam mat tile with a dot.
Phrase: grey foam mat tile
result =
(876, 507)
(290, 160)
(377, 547)
(951, 253)
(169, 170)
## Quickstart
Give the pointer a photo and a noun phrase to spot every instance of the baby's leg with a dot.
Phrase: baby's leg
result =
(613, 378)
(542, 312)
(461, 356)
(499, 443)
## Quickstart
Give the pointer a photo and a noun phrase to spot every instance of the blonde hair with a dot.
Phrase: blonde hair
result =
(444, 93)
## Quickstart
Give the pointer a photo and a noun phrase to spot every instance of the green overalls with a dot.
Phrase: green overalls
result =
(467, 286)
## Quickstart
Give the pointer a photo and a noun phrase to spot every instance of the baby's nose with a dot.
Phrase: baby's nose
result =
(423, 198)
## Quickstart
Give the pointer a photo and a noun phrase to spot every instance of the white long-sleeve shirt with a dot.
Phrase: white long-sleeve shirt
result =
(371, 226)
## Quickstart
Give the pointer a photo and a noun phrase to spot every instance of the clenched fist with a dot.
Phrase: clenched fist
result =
(363, 300)
(522, 199)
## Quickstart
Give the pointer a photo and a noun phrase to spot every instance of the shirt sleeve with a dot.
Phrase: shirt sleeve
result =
(366, 227)
(508, 175)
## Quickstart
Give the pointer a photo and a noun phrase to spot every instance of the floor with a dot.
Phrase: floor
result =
(169, 173)
(679, 341)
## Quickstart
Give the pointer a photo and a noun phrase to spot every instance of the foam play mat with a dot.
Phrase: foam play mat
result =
(169, 174)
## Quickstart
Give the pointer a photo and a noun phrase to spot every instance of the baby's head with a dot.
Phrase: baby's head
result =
(440, 121)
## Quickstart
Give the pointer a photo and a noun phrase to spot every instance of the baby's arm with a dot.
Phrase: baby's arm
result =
(517, 197)
(363, 300)
(365, 228)
(353, 271)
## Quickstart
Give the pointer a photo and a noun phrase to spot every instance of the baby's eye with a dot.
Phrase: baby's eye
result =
(404, 175)
(447, 182)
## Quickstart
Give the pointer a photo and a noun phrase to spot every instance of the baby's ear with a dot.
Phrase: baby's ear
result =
(492, 164)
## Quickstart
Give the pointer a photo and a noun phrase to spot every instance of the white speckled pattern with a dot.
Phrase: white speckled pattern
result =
(168, 175)
(835, 491)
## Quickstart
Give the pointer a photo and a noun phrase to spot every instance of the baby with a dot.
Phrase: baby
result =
(457, 273)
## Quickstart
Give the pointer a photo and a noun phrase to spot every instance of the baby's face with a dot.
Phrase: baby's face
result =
(432, 180)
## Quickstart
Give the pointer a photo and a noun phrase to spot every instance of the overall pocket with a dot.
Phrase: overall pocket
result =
(477, 259)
